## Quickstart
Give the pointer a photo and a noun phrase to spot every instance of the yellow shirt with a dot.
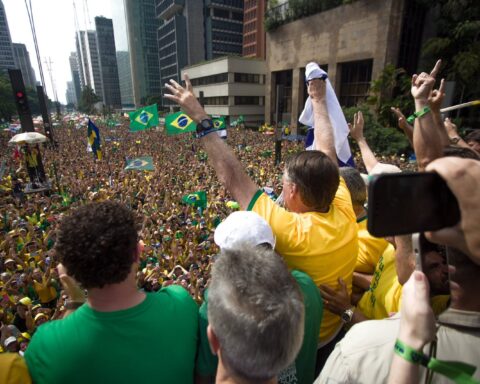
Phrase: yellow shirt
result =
(323, 245)
(369, 249)
(13, 369)
(383, 296)
(45, 292)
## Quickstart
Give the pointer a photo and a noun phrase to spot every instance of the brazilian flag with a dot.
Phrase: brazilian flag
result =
(179, 122)
(140, 164)
(144, 118)
(219, 123)
(197, 199)
(93, 135)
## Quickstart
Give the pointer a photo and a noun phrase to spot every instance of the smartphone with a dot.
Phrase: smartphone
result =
(410, 202)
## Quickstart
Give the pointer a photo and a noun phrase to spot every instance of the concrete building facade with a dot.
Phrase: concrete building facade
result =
(180, 37)
(142, 26)
(125, 79)
(88, 62)
(73, 60)
(353, 42)
(22, 60)
(231, 86)
(108, 62)
(70, 93)
(223, 28)
(7, 60)
(253, 29)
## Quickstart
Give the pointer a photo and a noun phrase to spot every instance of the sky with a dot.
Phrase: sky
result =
(55, 28)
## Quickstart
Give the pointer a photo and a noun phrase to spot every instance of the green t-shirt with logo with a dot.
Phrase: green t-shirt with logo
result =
(303, 370)
(154, 341)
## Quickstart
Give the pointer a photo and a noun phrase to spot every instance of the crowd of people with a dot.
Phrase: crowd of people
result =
(106, 278)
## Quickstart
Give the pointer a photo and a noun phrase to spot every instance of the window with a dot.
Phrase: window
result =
(247, 78)
(218, 100)
(355, 81)
(249, 100)
(213, 79)
(284, 78)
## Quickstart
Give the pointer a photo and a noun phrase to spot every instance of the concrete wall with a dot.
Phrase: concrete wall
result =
(365, 29)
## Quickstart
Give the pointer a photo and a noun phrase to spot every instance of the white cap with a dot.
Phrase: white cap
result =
(243, 227)
(9, 341)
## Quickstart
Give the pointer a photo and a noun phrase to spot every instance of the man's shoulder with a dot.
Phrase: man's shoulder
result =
(176, 295)
(370, 335)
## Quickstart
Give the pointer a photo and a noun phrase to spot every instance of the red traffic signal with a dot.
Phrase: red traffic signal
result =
(20, 95)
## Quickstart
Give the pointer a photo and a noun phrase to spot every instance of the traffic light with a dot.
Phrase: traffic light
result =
(21, 100)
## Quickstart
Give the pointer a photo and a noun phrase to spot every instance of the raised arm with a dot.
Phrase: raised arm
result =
(356, 131)
(228, 168)
(403, 124)
(324, 138)
(427, 140)
(404, 258)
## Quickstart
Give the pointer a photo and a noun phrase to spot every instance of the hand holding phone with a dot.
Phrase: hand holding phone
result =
(404, 203)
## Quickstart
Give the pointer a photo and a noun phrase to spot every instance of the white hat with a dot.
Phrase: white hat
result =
(243, 227)
(9, 341)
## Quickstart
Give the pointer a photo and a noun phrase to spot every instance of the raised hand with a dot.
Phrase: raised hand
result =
(422, 85)
(356, 130)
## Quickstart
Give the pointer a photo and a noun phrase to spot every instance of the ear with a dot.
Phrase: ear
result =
(139, 251)
(213, 340)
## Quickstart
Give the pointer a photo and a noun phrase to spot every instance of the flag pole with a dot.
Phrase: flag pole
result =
(460, 106)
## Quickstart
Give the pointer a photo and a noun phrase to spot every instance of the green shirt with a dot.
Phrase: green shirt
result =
(154, 341)
(303, 371)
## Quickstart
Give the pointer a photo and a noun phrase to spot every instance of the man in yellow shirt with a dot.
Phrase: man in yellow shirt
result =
(317, 232)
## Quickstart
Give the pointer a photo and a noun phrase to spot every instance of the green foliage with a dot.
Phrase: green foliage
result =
(457, 43)
(390, 89)
(7, 103)
(278, 15)
(383, 140)
(88, 98)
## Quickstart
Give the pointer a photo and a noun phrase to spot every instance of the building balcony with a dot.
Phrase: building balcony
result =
(291, 10)
(167, 9)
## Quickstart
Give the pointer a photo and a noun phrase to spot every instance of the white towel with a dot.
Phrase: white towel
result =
(337, 118)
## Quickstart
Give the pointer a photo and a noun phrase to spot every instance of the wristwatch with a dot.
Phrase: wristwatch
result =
(347, 315)
(455, 140)
(205, 127)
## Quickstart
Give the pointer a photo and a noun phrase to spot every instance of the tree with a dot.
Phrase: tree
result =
(457, 42)
(7, 102)
(88, 98)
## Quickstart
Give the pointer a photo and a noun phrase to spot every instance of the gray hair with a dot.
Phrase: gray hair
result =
(355, 184)
(255, 308)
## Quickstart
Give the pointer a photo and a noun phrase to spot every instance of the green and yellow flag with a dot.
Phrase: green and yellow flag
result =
(219, 123)
(197, 199)
(179, 122)
(144, 118)
(144, 163)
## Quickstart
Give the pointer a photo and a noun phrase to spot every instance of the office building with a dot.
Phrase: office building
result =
(231, 86)
(142, 26)
(180, 37)
(223, 28)
(88, 62)
(108, 62)
(125, 79)
(253, 29)
(73, 60)
(7, 60)
(70, 93)
(353, 42)
(22, 60)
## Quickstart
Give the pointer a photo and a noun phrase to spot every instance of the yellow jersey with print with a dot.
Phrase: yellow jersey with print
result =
(385, 292)
(370, 249)
(323, 245)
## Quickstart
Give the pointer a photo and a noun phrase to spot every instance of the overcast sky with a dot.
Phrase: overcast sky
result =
(55, 27)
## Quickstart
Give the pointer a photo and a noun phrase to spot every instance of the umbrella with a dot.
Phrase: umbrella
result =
(28, 137)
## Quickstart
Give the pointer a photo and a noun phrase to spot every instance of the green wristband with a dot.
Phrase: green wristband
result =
(410, 354)
(420, 113)
(458, 372)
